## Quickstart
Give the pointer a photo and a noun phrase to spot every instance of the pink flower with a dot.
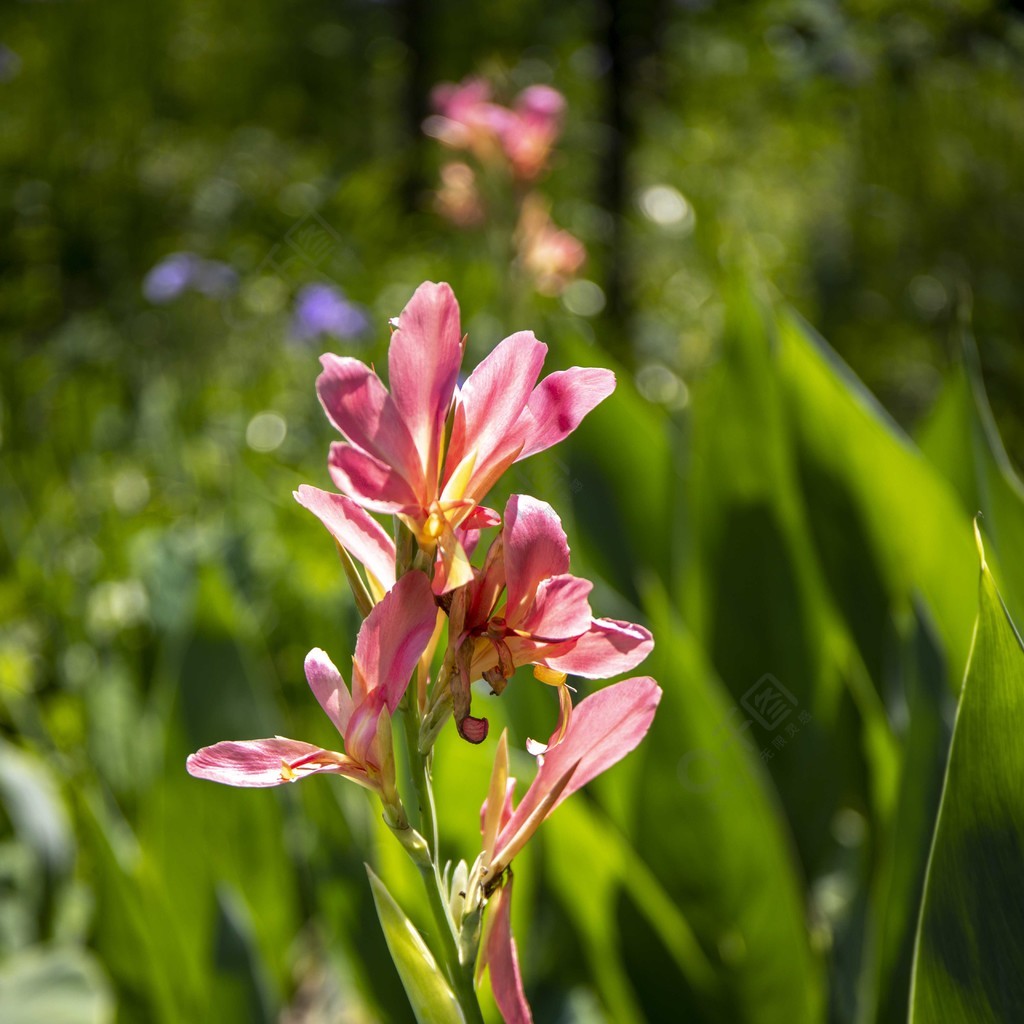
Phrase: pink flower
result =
(545, 620)
(520, 137)
(394, 459)
(389, 644)
(607, 725)
(528, 135)
(467, 119)
(550, 256)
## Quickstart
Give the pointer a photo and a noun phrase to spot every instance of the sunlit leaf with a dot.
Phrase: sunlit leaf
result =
(969, 961)
(431, 997)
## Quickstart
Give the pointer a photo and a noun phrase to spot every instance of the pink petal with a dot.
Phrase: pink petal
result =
(559, 403)
(358, 405)
(503, 960)
(535, 549)
(270, 762)
(392, 638)
(354, 529)
(560, 609)
(608, 648)
(423, 367)
(488, 408)
(329, 688)
(604, 728)
(372, 483)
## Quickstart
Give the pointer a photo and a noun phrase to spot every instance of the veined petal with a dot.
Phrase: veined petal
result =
(604, 728)
(423, 367)
(329, 688)
(559, 403)
(608, 648)
(269, 762)
(535, 549)
(393, 636)
(489, 407)
(503, 960)
(560, 609)
(372, 483)
(359, 406)
(354, 529)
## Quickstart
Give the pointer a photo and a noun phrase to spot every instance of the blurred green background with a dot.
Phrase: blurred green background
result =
(780, 510)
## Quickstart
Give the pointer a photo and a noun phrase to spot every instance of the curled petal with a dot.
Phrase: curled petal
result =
(608, 648)
(354, 529)
(559, 403)
(472, 729)
(269, 762)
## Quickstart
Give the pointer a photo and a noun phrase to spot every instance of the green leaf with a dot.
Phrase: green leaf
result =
(969, 959)
(59, 986)
(577, 835)
(711, 833)
(430, 996)
(960, 438)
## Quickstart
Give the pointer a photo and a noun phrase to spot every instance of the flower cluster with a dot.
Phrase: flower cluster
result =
(426, 452)
(514, 144)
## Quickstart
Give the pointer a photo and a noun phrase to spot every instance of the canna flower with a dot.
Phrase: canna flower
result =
(550, 255)
(607, 725)
(545, 619)
(388, 647)
(467, 119)
(529, 134)
(395, 459)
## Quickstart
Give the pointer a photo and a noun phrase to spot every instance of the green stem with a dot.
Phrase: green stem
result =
(460, 975)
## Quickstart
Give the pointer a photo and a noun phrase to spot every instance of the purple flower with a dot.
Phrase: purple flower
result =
(185, 271)
(323, 309)
(10, 63)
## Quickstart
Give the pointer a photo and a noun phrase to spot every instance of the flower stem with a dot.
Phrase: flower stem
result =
(460, 975)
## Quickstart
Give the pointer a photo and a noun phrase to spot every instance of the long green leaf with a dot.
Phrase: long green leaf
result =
(969, 959)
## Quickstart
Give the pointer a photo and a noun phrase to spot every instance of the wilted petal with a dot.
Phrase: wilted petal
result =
(535, 549)
(354, 529)
(374, 484)
(329, 688)
(423, 366)
(392, 638)
(559, 403)
(503, 960)
(269, 762)
(358, 405)
(489, 407)
(604, 728)
(607, 649)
